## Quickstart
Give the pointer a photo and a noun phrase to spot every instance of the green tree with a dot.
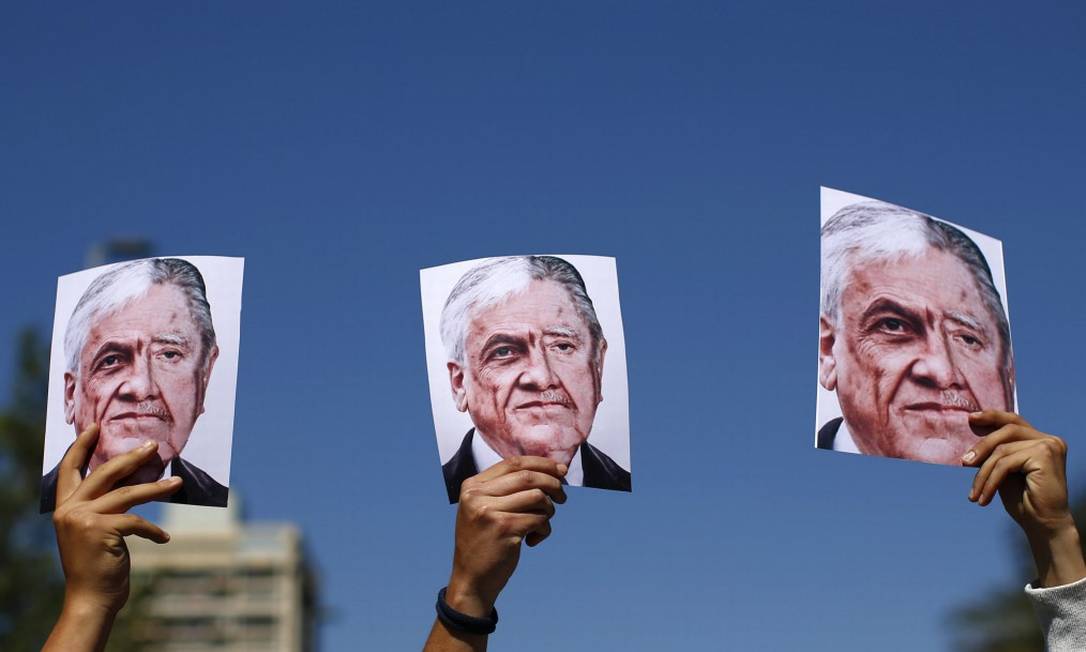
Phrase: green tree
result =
(31, 586)
(1003, 620)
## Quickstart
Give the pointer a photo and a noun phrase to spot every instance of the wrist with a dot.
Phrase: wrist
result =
(90, 607)
(466, 598)
(1057, 552)
(1053, 537)
(1040, 529)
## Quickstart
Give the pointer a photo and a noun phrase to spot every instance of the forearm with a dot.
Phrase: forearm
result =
(468, 602)
(1058, 555)
(442, 639)
(80, 628)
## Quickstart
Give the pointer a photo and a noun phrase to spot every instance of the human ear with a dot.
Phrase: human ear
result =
(1008, 386)
(599, 370)
(69, 397)
(456, 383)
(827, 364)
(205, 378)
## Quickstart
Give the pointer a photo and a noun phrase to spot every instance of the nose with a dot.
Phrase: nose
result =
(538, 373)
(936, 366)
(140, 384)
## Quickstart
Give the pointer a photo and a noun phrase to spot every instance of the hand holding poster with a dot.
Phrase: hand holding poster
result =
(913, 332)
(521, 352)
(148, 351)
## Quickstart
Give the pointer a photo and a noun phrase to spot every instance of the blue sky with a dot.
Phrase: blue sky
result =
(340, 148)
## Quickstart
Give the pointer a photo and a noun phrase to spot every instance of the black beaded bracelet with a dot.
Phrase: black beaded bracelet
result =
(460, 622)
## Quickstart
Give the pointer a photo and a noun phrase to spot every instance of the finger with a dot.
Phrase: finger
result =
(533, 501)
(522, 480)
(990, 461)
(981, 478)
(526, 463)
(536, 537)
(123, 499)
(980, 451)
(521, 525)
(70, 473)
(126, 524)
(996, 418)
(109, 474)
(1006, 465)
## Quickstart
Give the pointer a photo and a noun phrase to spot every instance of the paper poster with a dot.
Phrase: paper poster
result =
(913, 332)
(525, 356)
(148, 350)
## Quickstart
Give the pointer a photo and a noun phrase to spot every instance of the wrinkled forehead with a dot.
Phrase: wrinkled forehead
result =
(541, 305)
(160, 313)
(933, 279)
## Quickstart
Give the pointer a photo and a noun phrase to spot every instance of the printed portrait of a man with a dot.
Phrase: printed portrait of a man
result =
(139, 352)
(524, 358)
(913, 334)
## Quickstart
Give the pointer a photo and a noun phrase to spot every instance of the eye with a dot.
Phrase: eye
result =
(171, 355)
(564, 347)
(969, 340)
(110, 360)
(893, 325)
(503, 352)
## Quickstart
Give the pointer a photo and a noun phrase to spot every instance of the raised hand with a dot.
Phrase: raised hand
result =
(91, 521)
(509, 503)
(1028, 470)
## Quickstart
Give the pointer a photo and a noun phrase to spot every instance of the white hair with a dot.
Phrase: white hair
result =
(118, 287)
(874, 230)
(499, 278)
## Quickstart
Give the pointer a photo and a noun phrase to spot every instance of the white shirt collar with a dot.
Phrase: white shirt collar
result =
(843, 441)
(485, 457)
(575, 474)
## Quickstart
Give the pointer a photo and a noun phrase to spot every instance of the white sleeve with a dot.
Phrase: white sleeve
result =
(1062, 612)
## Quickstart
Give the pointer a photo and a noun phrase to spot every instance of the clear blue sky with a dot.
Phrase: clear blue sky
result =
(340, 148)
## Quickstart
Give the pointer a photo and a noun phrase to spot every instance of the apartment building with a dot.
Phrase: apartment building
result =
(224, 584)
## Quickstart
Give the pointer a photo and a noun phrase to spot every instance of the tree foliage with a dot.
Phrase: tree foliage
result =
(31, 586)
(1003, 620)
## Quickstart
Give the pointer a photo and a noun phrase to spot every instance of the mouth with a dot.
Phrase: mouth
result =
(542, 404)
(138, 416)
(935, 406)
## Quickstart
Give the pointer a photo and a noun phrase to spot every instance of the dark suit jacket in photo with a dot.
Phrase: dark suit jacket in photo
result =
(197, 487)
(828, 433)
(600, 471)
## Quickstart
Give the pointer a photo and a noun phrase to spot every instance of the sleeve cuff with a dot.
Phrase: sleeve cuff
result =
(1072, 591)
(1061, 611)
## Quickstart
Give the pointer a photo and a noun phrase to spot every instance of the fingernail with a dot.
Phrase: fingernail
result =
(975, 414)
(148, 445)
(969, 456)
(562, 468)
(171, 480)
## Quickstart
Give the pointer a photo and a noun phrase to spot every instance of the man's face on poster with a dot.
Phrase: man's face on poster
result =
(531, 376)
(915, 351)
(142, 375)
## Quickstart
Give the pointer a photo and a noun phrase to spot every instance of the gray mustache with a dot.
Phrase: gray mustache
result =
(957, 399)
(552, 396)
(153, 409)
